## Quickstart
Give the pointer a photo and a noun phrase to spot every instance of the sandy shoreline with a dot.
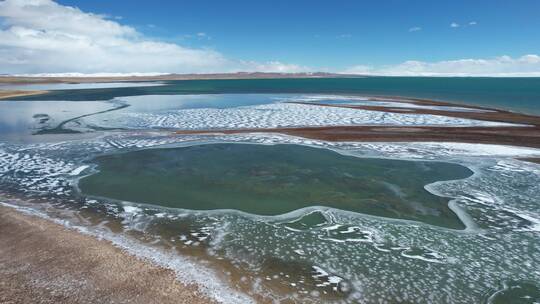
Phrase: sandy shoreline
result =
(4, 94)
(43, 262)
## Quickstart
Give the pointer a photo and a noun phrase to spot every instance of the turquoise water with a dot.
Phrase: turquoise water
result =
(273, 180)
(516, 94)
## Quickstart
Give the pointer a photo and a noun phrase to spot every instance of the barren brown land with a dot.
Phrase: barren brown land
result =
(4, 94)
(527, 135)
(240, 75)
(43, 262)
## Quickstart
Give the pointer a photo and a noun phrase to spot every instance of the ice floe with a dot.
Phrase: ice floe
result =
(276, 115)
(367, 101)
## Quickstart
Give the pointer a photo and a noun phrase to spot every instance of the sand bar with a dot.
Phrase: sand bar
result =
(526, 133)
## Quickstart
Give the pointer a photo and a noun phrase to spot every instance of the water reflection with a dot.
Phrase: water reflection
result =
(20, 119)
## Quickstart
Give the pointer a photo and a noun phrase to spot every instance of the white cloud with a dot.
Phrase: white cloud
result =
(271, 66)
(41, 36)
(203, 36)
(473, 23)
(454, 25)
(504, 66)
(415, 29)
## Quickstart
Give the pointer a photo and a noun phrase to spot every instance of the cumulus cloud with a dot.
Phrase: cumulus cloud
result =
(454, 24)
(415, 29)
(42, 36)
(503, 66)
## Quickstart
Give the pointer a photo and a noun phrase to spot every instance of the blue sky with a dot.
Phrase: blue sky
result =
(337, 34)
(385, 37)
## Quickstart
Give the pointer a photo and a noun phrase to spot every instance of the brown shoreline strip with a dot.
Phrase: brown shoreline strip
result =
(5, 94)
(514, 136)
(526, 136)
(43, 262)
(165, 77)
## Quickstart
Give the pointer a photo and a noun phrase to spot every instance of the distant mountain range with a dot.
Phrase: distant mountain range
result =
(107, 77)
